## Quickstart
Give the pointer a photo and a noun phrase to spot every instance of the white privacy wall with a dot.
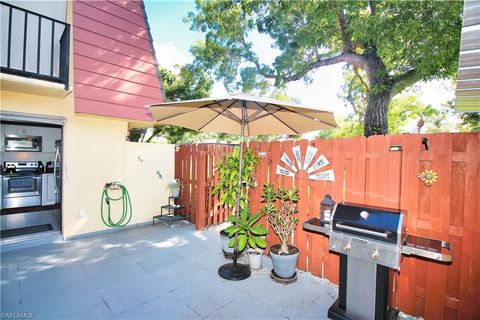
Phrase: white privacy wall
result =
(144, 163)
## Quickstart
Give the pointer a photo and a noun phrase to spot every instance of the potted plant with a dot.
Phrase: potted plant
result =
(227, 187)
(250, 233)
(175, 186)
(280, 209)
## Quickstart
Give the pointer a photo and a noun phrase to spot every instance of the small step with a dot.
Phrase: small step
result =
(30, 240)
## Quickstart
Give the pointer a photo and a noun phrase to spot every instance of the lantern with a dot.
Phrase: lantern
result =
(326, 208)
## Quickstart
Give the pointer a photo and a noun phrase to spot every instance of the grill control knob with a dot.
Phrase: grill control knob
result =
(375, 255)
(347, 247)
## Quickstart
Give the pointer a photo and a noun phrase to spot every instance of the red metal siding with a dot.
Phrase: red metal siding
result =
(115, 72)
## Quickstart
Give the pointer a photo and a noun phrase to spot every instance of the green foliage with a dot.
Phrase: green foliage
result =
(470, 121)
(396, 43)
(227, 187)
(175, 185)
(280, 209)
(249, 231)
(405, 109)
(190, 82)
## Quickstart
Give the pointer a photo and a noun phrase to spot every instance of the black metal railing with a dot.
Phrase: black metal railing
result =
(37, 46)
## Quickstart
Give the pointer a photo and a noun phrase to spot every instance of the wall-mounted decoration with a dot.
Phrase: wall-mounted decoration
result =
(311, 151)
(320, 163)
(284, 172)
(325, 175)
(428, 177)
(310, 154)
(288, 162)
(297, 155)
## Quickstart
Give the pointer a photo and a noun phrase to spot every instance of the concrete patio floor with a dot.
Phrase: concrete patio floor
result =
(152, 272)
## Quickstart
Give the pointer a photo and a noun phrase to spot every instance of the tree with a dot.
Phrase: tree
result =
(470, 121)
(189, 83)
(396, 43)
(406, 111)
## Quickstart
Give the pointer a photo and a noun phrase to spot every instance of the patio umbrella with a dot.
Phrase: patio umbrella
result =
(244, 115)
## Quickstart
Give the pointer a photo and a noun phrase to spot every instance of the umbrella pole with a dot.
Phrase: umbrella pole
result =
(239, 193)
(236, 271)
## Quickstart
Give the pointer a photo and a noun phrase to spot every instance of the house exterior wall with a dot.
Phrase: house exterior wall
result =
(115, 71)
(95, 150)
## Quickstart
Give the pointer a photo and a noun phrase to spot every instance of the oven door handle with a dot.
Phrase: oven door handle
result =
(385, 235)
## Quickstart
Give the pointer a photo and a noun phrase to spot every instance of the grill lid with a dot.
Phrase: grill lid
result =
(370, 222)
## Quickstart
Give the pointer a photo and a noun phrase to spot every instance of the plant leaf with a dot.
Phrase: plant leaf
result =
(242, 242)
(261, 242)
(230, 228)
(252, 243)
(253, 219)
(259, 230)
(233, 231)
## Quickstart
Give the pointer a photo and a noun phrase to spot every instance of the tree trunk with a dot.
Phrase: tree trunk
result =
(284, 247)
(376, 114)
(378, 98)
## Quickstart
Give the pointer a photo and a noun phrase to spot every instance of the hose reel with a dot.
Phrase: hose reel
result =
(108, 200)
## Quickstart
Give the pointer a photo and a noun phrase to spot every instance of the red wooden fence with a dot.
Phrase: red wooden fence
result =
(366, 172)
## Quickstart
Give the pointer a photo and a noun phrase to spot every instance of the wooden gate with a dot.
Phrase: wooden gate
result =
(366, 172)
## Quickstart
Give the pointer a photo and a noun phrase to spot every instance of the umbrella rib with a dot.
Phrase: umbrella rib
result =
(273, 115)
(300, 114)
(232, 115)
(218, 115)
(189, 110)
(304, 115)
(179, 114)
(254, 114)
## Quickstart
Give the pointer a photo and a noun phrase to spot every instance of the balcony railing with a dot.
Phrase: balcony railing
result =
(34, 45)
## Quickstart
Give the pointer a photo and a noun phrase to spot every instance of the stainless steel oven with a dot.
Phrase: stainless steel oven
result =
(22, 187)
(23, 143)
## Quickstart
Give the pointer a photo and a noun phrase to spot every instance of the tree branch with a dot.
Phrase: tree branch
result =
(373, 7)
(359, 77)
(342, 21)
(347, 57)
(403, 81)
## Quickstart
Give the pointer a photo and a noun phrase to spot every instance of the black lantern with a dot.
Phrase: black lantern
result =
(326, 208)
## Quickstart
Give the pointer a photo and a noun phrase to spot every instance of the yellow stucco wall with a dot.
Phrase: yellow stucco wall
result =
(95, 152)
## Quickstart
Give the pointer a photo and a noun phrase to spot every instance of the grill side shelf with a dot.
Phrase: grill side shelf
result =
(318, 226)
(427, 248)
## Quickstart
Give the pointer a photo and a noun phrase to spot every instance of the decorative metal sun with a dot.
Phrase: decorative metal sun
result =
(428, 177)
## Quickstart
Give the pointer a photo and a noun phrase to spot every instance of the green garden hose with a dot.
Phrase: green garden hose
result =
(126, 205)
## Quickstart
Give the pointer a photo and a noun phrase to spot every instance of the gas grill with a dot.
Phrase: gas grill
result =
(370, 240)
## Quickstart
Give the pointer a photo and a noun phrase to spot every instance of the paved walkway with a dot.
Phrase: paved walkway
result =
(146, 273)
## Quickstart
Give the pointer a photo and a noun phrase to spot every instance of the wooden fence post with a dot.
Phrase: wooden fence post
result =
(201, 217)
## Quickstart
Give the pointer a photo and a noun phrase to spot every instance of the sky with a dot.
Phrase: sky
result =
(173, 38)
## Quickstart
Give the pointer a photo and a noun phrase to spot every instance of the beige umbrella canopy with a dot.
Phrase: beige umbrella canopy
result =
(261, 115)
(242, 114)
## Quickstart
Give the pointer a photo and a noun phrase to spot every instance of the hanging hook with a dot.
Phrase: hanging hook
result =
(425, 142)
